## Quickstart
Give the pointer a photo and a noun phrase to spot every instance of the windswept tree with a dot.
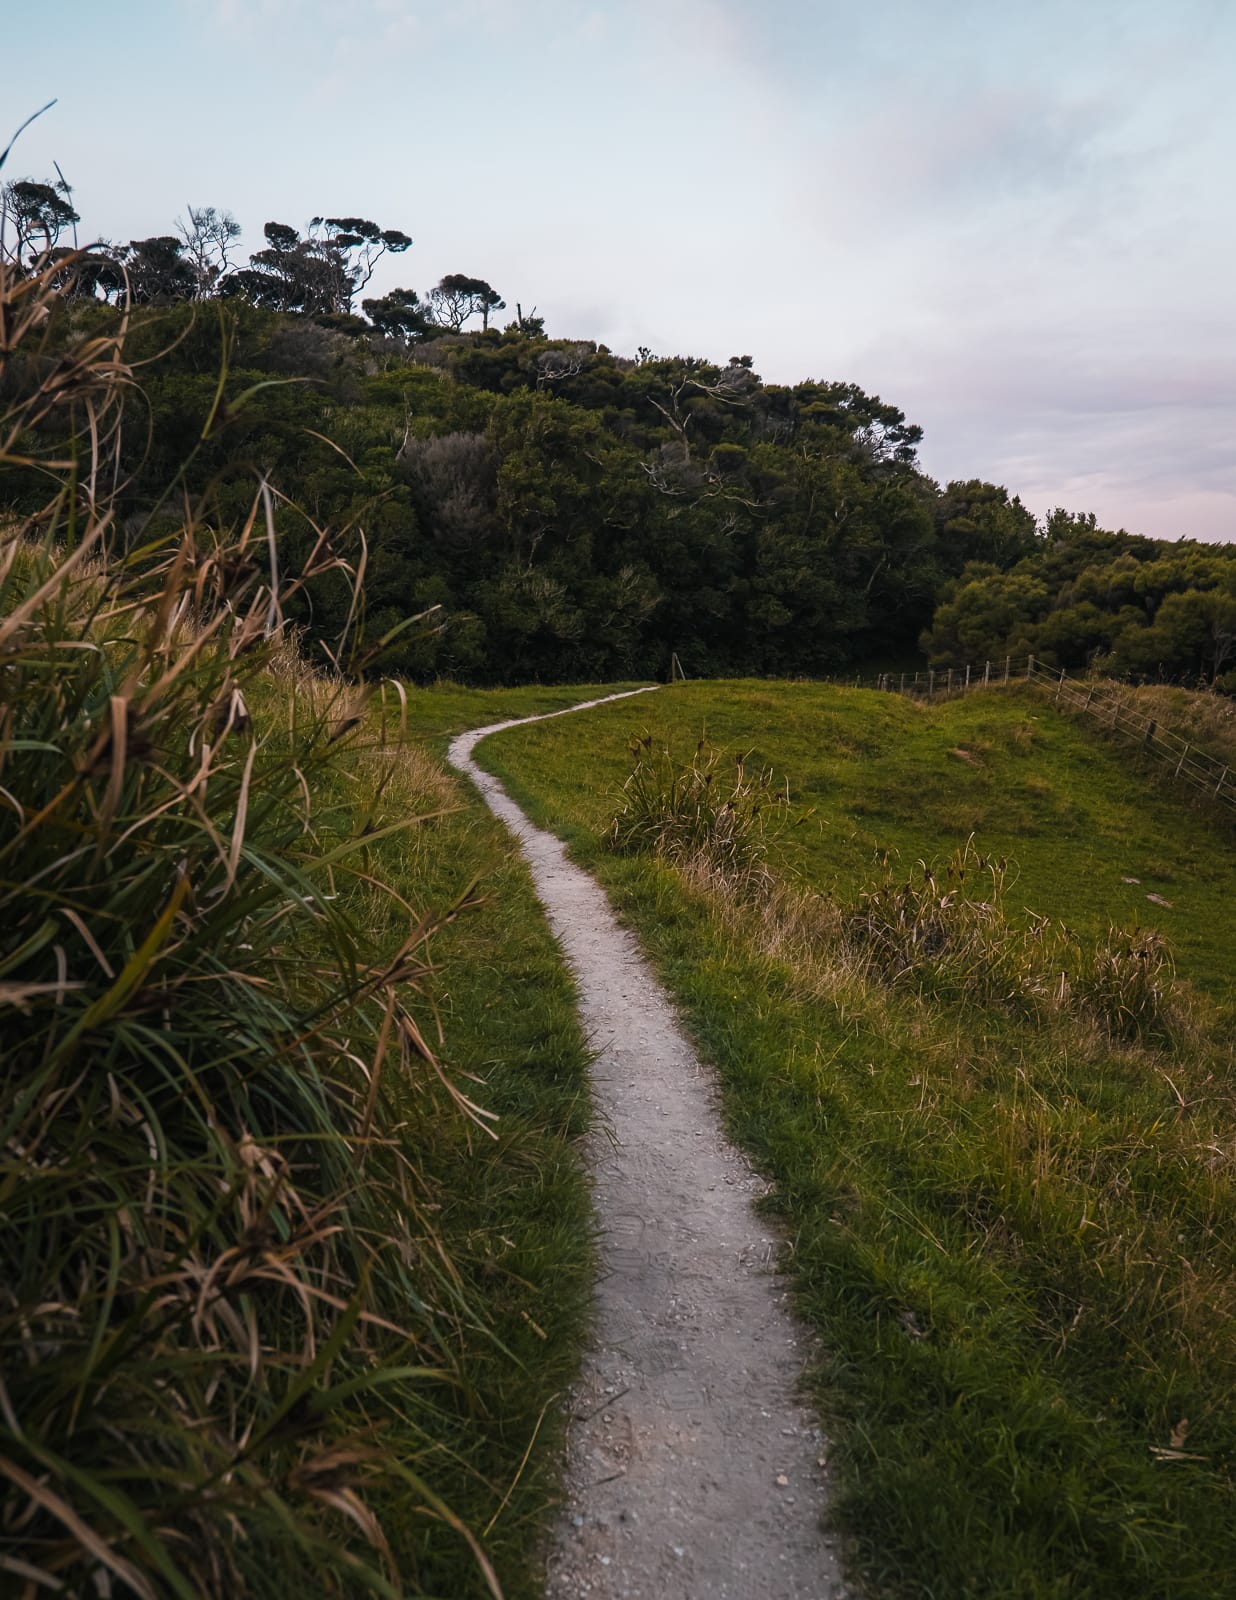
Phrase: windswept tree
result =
(157, 271)
(458, 298)
(36, 215)
(361, 244)
(281, 276)
(320, 273)
(94, 274)
(207, 236)
(875, 433)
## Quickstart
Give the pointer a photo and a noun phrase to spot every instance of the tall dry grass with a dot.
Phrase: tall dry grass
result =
(223, 1295)
(710, 812)
(943, 930)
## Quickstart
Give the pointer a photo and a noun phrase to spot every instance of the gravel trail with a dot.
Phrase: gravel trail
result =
(694, 1470)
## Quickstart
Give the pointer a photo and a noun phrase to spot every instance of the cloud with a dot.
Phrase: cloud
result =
(1010, 221)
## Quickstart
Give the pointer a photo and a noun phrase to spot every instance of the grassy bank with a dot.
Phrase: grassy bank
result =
(512, 1210)
(367, 1349)
(1014, 1227)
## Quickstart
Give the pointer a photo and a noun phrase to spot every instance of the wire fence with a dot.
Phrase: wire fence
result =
(1103, 702)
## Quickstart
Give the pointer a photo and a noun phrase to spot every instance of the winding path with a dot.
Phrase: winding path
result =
(694, 1470)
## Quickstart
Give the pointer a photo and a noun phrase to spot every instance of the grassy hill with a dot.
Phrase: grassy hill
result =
(1004, 1161)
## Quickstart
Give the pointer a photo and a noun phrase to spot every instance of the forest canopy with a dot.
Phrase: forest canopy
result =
(578, 514)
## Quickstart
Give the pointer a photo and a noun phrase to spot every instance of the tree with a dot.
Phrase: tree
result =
(157, 271)
(38, 214)
(320, 273)
(458, 297)
(562, 361)
(287, 275)
(88, 274)
(685, 389)
(361, 244)
(979, 522)
(985, 614)
(399, 314)
(877, 432)
(208, 236)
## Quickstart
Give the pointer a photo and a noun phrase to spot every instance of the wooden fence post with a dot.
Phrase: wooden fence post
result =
(1030, 667)
(967, 674)
(931, 682)
(1007, 664)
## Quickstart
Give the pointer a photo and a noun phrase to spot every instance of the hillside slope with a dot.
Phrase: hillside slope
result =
(1012, 1210)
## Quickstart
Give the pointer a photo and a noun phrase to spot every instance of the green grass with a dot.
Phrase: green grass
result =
(440, 710)
(1016, 1235)
(515, 1218)
(883, 777)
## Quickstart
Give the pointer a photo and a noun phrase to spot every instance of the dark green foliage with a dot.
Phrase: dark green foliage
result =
(604, 513)
(1137, 608)
(399, 314)
(620, 510)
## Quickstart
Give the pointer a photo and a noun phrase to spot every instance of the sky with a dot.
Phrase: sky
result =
(1011, 219)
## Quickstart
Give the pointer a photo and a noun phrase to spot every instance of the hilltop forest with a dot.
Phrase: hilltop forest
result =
(564, 513)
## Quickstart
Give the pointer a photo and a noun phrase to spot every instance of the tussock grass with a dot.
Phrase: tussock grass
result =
(1014, 1224)
(944, 931)
(1203, 717)
(711, 812)
(949, 933)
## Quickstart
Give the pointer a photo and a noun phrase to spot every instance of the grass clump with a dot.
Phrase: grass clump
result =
(712, 811)
(1129, 981)
(935, 928)
(949, 933)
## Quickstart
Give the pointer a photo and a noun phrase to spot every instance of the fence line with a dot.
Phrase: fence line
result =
(1104, 704)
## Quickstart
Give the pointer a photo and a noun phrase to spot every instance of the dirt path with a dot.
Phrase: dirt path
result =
(694, 1471)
